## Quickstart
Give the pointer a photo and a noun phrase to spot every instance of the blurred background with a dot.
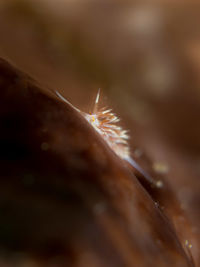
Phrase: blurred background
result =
(144, 55)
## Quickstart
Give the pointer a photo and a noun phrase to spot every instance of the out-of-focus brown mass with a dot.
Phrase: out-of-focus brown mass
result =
(66, 199)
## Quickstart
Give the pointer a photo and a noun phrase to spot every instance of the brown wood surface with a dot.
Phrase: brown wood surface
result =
(65, 198)
(145, 57)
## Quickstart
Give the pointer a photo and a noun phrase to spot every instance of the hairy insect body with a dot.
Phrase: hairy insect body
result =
(105, 123)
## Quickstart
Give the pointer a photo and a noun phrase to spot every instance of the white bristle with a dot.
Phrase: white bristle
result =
(104, 122)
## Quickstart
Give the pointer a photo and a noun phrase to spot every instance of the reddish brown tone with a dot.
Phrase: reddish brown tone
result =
(145, 57)
(65, 198)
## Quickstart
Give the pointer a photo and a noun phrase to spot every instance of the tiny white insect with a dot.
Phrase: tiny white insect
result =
(104, 122)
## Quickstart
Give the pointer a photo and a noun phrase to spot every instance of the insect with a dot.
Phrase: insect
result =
(104, 121)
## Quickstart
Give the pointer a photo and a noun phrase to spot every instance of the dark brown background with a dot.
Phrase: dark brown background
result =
(146, 59)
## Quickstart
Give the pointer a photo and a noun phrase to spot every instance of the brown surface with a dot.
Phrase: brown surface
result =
(65, 198)
(145, 57)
